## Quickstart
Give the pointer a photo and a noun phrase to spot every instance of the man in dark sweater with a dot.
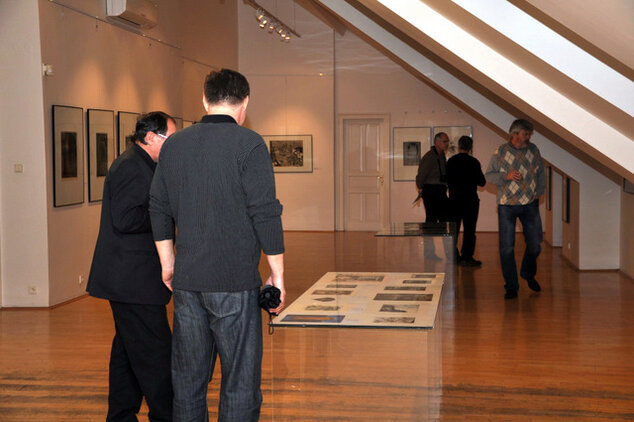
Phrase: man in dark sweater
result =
(464, 175)
(126, 271)
(214, 182)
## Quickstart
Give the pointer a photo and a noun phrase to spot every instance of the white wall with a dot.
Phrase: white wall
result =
(290, 97)
(23, 197)
(368, 82)
(96, 65)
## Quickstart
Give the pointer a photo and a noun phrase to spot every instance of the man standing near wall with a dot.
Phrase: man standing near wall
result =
(464, 175)
(431, 181)
(126, 271)
(215, 184)
(517, 169)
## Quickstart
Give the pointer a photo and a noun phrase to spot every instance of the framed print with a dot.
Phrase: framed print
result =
(179, 123)
(68, 155)
(408, 146)
(565, 215)
(549, 187)
(290, 153)
(127, 127)
(101, 150)
(454, 133)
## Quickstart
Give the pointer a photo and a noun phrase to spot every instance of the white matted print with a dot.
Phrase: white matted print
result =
(409, 144)
(454, 133)
(68, 155)
(403, 300)
(290, 153)
(101, 150)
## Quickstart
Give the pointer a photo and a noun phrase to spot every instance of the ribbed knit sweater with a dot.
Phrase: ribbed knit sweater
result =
(528, 161)
(214, 181)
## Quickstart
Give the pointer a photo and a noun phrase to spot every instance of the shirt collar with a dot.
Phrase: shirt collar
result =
(218, 118)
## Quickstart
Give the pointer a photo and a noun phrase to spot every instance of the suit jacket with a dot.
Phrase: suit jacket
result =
(125, 266)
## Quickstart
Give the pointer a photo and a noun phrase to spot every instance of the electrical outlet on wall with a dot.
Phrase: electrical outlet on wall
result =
(82, 277)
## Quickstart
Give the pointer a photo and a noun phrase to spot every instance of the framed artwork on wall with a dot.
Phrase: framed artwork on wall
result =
(408, 146)
(179, 122)
(565, 215)
(101, 150)
(454, 133)
(549, 187)
(68, 155)
(127, 127)
(290, 153)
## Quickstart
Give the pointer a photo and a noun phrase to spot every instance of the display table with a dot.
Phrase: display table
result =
(438, 245)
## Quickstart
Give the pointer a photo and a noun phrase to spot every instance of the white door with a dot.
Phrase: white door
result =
(366, 174)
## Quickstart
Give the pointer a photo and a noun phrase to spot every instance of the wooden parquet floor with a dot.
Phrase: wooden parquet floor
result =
(566, 353)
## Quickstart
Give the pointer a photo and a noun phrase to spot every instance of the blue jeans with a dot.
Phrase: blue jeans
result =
(532, 227)
(231, 325)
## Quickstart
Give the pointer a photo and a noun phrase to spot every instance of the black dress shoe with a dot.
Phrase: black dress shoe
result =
(470, 262)
(534, 285)
(510, 294)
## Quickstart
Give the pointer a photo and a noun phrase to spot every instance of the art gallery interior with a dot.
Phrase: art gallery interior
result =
(352, 70)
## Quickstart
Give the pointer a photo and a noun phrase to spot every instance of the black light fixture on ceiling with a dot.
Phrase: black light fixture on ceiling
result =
(270, 22)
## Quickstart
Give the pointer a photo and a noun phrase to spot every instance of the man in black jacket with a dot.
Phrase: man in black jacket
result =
(126, 271)
(464, 175)
(214, 182)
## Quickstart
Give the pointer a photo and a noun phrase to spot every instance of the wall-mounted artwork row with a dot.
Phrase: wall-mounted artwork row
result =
(101, 150)
(68, 155)
(290, 153)
(127, 127)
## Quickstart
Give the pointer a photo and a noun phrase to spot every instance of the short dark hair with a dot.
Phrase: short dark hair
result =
(465, 143)
(520, 124)
(226, 86)
(438, 135)
(154, 121)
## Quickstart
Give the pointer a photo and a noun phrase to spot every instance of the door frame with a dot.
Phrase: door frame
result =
(339, 165)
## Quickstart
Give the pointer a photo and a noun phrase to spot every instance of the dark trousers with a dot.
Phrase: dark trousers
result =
(533, 235)
(436, 203)
(466, 212)
(230, 324)
(140, 363)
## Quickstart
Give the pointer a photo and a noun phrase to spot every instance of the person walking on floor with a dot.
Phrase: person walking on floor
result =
(517, 169)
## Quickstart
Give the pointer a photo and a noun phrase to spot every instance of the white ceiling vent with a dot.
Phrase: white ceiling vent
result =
(139, 13)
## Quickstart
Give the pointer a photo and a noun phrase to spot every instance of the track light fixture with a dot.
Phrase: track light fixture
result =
(271, 23)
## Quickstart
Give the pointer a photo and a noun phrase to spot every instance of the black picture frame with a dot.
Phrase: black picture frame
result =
(290, 153)
(101, 150)
(549, 188)
(126, 126)
(68, 155)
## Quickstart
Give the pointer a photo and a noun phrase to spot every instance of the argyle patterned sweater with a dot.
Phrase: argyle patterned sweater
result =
(528, 161)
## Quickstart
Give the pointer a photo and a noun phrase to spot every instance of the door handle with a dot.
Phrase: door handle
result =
(380, 178)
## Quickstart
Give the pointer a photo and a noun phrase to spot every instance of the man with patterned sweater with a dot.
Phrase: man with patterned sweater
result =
(517, 169)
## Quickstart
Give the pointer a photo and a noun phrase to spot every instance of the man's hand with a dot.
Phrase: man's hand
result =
(277, 281)
(514, 175)
(167, 275)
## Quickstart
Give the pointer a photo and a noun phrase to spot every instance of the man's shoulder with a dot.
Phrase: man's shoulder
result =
(128, 161)
(429, 154)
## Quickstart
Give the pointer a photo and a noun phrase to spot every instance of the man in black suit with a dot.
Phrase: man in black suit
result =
(464, 175)
(126, 271)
